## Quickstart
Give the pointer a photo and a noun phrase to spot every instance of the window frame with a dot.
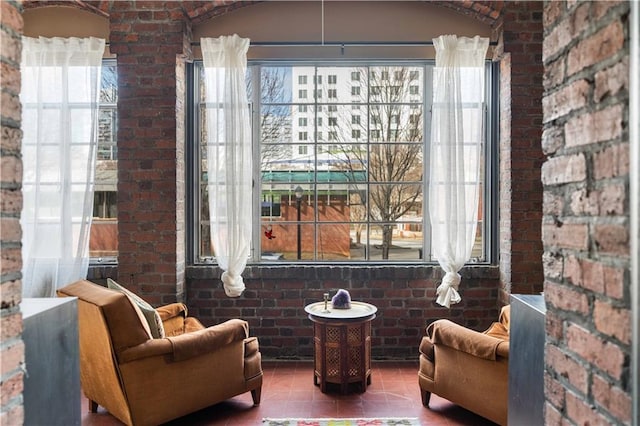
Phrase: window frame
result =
(488, 227)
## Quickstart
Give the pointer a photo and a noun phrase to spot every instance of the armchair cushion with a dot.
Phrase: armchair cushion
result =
(198, 342)
(150, 314)
(174, 318)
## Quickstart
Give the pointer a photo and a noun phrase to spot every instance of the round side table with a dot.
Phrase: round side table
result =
(342, 344)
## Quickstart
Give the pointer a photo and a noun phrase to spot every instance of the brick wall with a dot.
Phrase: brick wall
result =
(151, 41)
(11, 347)
(274, 301)
(520, 205)
(585, 229)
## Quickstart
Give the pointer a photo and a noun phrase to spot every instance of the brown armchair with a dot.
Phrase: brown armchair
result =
(147, 381)
(467, 367)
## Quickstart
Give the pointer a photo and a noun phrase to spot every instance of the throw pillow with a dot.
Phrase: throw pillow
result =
(151, 315)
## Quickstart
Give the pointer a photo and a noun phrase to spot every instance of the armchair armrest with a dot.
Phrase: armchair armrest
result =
(455, 336)
(189, 345)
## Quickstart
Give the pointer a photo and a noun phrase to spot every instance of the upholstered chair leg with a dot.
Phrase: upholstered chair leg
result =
(426, 396)
(93, 406)
(255, 394)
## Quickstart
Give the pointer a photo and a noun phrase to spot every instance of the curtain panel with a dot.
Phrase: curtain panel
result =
(59, 96)
(229, 156)
(456, 152)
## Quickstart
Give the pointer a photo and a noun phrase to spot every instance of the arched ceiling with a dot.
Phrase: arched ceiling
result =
(200, 10)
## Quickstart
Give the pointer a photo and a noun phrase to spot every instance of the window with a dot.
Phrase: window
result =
(333, 79)
(332, 93)
(103, 240)
(364, 187)
(302, 79)
(270, 206)
(302, 94)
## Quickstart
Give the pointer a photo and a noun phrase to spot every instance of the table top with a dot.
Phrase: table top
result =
(358, 310)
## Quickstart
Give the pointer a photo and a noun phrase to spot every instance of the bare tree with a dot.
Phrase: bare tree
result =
(393, 158)
(275, 119)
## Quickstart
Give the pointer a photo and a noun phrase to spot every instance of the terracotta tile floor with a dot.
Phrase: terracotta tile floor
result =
(288, 391)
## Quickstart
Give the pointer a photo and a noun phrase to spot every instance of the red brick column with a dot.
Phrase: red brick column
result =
(12, 352)
(520, 202)
(585, 228)
(151, 40)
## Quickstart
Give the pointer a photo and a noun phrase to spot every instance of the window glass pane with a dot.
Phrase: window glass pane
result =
(352, 140)
(103, 241)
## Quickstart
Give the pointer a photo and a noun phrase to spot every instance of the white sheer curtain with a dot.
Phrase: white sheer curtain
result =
(456, 144)
(229, 160)
(60, 88)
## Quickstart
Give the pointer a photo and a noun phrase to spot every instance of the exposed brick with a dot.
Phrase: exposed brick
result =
(551, 414)
(10, 260)
(10, 229)
(552, 11)
(568, 235)
(599, 126)
(567, 367)
(564, 169)
(552, 265)
(556, 40)
(552, 140)
(612, 200)
(613, 321)
(610, 80)
(10, 17)
(554, 326)
(604, 355)
(12, 357)
(614, 282)
(13, 416)
(554, 392)
(552, 204)
(10, 76)
(12, 108)
(611, 162)
(565, 298)
(582, 413)
(10, 169)
(11, 388)
(11, 139)
(616, 401)
(600, 46)
(10, 293)
(593, 275)
(12, 348)
(585, 203)
(569, 98)
(612, 239)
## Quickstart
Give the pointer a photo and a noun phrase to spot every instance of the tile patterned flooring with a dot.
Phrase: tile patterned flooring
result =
(288, 391)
